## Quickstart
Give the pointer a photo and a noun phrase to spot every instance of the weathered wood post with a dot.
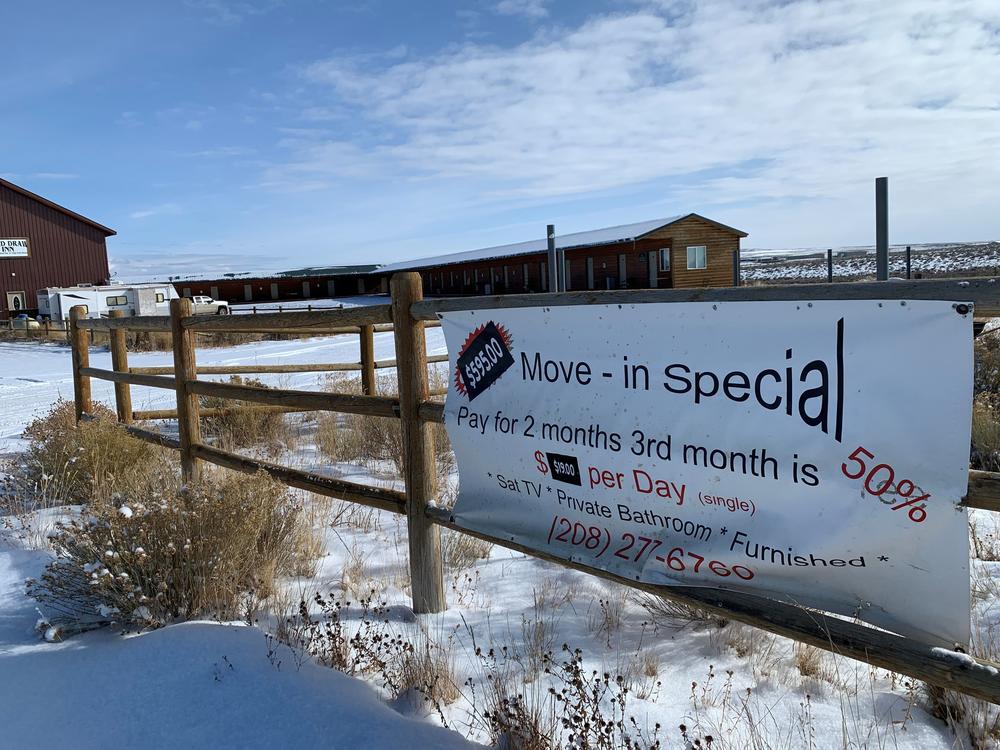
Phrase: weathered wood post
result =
(426, 568)
(80, 344)
(119, 363)
(368, 360)
(185, 369)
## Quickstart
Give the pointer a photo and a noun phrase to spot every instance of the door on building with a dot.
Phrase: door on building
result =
(248, 292)
(274, 291)
(15, 302)
(306, 289)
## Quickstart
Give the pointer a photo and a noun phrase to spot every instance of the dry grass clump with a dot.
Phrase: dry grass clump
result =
(426, 672)
(358, 639)
(143, 561)
(985, 433)
(148, 341)
(69, 464)
(462, 551)
(161, 341)
(243, 424)
(674, 614)
(581, 708)
(373, 442)
(808, 660)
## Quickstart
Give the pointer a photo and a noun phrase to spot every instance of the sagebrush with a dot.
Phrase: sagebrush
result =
(146, 561)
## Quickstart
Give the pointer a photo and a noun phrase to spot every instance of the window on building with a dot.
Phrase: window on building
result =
(160, 297)
(664, 258)
(117, 301)
(697, 257)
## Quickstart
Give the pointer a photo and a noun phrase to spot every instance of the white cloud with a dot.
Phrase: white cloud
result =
(55, 176)
(222, 152)
(532, 9)
(733, 100)
(230, 12)
(164, 209)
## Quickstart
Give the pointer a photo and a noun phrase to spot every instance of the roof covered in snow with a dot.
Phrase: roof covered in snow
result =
(592, 238)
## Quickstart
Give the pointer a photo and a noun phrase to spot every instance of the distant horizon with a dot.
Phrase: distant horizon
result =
(744, 252)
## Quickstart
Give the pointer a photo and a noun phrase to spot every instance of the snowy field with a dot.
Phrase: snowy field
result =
(218, 685)
(791, 266)
(305, 304)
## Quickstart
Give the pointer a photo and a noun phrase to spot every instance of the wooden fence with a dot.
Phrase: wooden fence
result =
(45, 330)
(407, 316)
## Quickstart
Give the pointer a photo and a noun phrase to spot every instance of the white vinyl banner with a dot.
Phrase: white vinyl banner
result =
(814, 452)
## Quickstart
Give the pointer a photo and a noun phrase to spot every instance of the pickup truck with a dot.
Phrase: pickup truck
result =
(207, 306)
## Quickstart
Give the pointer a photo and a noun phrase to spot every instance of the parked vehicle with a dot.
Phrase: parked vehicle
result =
(202, 305)
(55, 303)
(24, 322)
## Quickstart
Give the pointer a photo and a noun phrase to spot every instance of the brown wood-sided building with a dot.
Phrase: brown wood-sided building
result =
(302, 284)
(43, 244)
(682, 251)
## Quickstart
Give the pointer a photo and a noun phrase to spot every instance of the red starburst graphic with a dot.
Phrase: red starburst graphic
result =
(508, 340)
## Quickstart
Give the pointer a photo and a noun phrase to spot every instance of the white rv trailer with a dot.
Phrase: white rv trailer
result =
(55, 303)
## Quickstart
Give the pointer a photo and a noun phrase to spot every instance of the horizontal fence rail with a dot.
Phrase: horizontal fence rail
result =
(150, 381)
(255, 369)
(983, 292)
(406, 316)
(278, 322)
(154, 414)
(878, 647)
(372, 406)
(362, 494)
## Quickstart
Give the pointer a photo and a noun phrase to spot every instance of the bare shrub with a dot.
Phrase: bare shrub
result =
(593, 710)
(427, 671)
(971, 718)
(984, 534)
(462, 551)
(243, 424)
(69, 464)
(985, 433)
(607, 617)
(161, 341)
(675, 614)
(757, 646)
(966, 716)
(516, 719)
(986, 374)
(148, 341)
(147, 560)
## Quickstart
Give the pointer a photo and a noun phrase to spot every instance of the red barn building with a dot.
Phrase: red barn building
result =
(682, 251)
(43, 244)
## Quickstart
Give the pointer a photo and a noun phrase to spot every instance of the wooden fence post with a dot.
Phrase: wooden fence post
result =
(368, 360)
(185, 369)
(80, 344)
(426, 568)
(119, 363)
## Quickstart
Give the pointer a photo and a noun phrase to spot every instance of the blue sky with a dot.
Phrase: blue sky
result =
(230, 135)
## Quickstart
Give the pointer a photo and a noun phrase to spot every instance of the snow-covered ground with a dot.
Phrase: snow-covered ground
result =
(219, 686)
(305, 304)
(790, 266)
(35, 375)
(194, 685)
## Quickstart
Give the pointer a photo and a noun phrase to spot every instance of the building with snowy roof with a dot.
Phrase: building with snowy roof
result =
(688, 250)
